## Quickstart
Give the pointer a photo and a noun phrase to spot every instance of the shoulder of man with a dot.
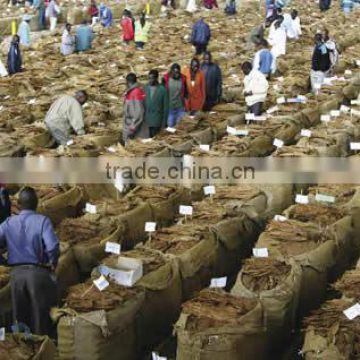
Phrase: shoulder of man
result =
(137, 94)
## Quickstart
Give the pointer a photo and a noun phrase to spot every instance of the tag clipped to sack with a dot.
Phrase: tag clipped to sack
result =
(170, 130)
(335, 113)
(305, 133)
(354, 146)
(209, 190)
(344, 108)
(150, 226)
(261, 252)
(249, 116)
(155, 356)
(272, 109)
(204, 147)
(2, 334)
(301, 199)
(186, 210)
(278, 143)
(348, 72)
(89, 208)
(325, 198)
(352, 312)
(281, 100)
(101, 283)
(70, 142)
(113, 248)
(280, 218)
(325, 118)
(218, 282)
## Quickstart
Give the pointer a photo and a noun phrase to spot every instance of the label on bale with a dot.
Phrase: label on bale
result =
(344, 108)
(335, 113)
(101, 283)
(218, 282)
(230, 130)
(355, 102)
(113, 248)
(260, 118)
(278, 143)
(91, 209)
(325, 118)
(357, 62)
(155, 356)
(354, 146)
(352, 312)
(261, 252)
(291, 100)
(70, 142)
(281, 100)
(301, 199)
(186, 210)
(243, 132)
(280, 218)
(348, 72)
(249, 116)
(273, 109)
(305, 132)
(150, 226)
(170, 130)
(209, 190)
(204, 147)
(280, 79)
(145, 141)
(325, 198)
(2, 334)
(301, 99)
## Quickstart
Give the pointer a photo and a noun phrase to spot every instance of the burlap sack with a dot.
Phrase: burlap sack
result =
(43, 140)
(203, 136)
(68, 204)
(280, 305)
(93, 192)
(99, 334)
(245, 341)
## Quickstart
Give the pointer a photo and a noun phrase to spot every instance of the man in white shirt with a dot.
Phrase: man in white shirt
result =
(255, 88)
(292, 25)
(277, 39)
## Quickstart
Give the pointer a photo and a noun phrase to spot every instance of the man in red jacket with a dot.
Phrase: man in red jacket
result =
(134, 110)
(127, 26)
(210, 4)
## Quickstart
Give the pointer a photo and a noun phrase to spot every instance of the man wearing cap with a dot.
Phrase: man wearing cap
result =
(24, 30)
(33, 252)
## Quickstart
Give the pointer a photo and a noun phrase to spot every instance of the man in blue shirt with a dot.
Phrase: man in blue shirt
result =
(264, 60)
(33, 252)
(200, 36)
(84, 37)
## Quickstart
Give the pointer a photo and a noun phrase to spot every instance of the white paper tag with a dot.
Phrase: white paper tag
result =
(230, 130)
(291, 100)
(186, 210)
(357, 62)
(170, 130)
(32, 101)
(261, 252)
(325, 118)
(111, 149)
(145, 141)
(101, 283)
(305, 132)
(335, 113)
(325, 198)
(276, 87)
(70, 142)
(354, 146)
(355, 102)
(218, 282)
(301, 99)
(278, 143)
(111, 247)
(352, 312)
(89, 208)
(280, 79)
(204, 147)
(260, 118)
(348, 72)
(150, 226)
(155, 356)
(2, 334)
(242, 132)
(281, 100)
(272, 109)
(344, 108)
(301, 199)
(209, 190)
(249, 116)
(280, 218)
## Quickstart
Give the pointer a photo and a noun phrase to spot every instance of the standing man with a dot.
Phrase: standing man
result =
(65, 115)
(93, 11)
(127, 27)
(156, 104)
(292, 25)
(105, 16)
(24, 31)
(14, 56)
(134, 110)
(210, 4)
(67, 41)
(320, 63)
(264, 60)
(53, 11)
(333, 50)
(347, 6)
(255, 88)
(175, 84)
(84, 37)
(200, 36)
(39, 6)
(213, 81)
(5, 203)
(33, 252)
(277, 40)
(230, 7)
(142, 28)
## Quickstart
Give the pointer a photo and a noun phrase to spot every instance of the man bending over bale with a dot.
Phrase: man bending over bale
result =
(65, 115)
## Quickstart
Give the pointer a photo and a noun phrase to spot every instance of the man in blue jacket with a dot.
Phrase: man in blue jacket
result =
(200, 36)
(84, 37)
(33, 252)
(105, 16)
(14, 56)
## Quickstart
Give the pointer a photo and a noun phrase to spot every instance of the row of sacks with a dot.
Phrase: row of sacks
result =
(331, 332)
(311, 246)
(178, 261)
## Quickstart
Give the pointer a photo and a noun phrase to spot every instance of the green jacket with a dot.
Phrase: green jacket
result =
(156, 108)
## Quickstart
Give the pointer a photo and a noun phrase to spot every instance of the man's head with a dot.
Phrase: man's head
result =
(28, 199)
(81, 96)
(175, 71)
(294, 14)
(207, 57)
(318, 38)
(27, 18)
(279, 10)
(15, 39)
(153, 77)
(68, 27)
(246, 67)
(131, 79)
(195, 65)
